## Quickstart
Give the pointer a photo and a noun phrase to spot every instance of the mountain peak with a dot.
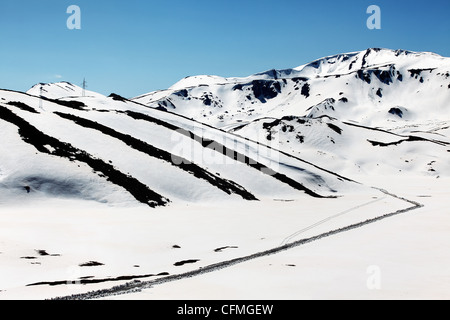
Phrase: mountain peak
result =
(59, 90)
(361, 85)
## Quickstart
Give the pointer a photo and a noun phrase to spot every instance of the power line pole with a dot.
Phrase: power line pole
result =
(41, 91)
(84, 86)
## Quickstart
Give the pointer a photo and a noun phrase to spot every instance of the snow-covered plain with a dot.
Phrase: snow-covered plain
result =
(409, 253)
(136, 241)
(208, 188)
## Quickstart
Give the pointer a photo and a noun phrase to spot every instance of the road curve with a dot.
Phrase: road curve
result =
(136, 286)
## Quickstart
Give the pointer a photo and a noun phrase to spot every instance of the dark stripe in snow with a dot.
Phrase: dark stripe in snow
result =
(224, 248)
(39, 140)
(417, 72)
(407, 138)
(91, 264)
(182, 263)
(117, 97)
(77, 105)
(239, 157)
(335, 128)
(22, 106)
(226, 186)
(86, 280)
(395, 143)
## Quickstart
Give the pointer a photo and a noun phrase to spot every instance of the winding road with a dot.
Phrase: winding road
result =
(137, 286)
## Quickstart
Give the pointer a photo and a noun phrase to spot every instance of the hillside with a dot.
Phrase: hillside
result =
(374, 87)
(114, 150)
(296, 182)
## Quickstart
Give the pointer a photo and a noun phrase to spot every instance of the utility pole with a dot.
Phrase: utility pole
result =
(41, 91)
(84, 86)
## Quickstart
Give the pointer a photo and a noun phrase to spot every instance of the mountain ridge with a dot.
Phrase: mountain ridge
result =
(349, 79)
(315, 130)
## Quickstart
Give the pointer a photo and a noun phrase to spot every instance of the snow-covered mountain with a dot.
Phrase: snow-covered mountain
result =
(349, 153)
(308, 131)
(372, 112)
(357, 151)
(370, 87)
(117, 151)
(61, 90)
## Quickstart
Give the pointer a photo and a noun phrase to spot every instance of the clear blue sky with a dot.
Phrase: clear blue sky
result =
(137, 46)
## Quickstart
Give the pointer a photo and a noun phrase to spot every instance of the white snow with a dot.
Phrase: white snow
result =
(333, 77)
(408, 252)
(121, 238)
(61, 90)
(342, 126)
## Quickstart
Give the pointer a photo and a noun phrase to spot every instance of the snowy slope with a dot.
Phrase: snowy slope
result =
(357, 151)
(367, 87)
(330, 111)
(61, 90)
(281, 133)
(78, 174)
(100, 144)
